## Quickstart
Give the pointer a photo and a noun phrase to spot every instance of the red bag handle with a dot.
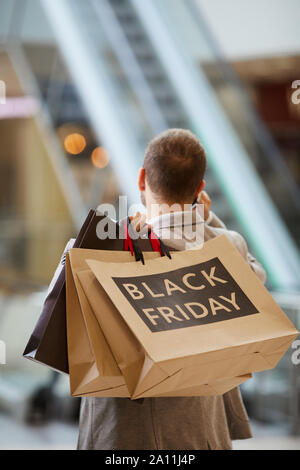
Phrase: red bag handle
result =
(129, 244)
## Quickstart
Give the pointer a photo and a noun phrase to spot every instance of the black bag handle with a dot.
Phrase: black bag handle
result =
(132, 244)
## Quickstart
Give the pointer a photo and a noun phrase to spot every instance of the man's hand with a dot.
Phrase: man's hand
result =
(204, 199)
(138, 222)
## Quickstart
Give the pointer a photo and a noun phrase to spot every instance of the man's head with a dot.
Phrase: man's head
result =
(174, 168)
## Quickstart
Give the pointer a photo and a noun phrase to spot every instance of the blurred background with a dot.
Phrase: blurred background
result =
(83, 86)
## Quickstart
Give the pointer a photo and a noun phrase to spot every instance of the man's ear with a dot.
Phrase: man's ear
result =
(142, 179)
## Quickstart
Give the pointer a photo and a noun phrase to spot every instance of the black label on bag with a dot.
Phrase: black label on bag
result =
(195, 295)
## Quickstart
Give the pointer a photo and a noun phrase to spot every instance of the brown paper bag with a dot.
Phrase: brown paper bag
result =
(91, 364)
(93, 368)
(193, 320)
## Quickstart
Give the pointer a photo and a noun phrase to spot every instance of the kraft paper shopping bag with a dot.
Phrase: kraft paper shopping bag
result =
(93, 368)
(197, 318)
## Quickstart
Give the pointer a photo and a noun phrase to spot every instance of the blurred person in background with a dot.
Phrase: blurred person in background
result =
(172, 175)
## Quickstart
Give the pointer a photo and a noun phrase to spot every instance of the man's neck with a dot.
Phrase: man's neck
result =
(156, 208)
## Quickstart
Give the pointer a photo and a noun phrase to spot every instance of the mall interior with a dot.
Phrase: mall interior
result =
(84, 85)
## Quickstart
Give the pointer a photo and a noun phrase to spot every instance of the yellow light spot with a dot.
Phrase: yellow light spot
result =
(100, 157)
(75, 143)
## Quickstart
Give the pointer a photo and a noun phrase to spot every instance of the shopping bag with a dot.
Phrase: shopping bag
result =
(92, 366)
(48, 342)
(93, 369)
(200, 317)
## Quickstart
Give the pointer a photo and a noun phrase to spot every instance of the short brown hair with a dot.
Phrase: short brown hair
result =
(175, 163)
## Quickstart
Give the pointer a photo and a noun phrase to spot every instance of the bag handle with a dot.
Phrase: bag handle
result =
(132, 245)
(158, 245)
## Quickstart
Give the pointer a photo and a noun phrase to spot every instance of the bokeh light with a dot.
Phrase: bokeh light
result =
(100, 157)
(75, 143)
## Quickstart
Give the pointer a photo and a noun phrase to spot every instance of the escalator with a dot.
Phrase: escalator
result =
(126, 36)
(138, 68)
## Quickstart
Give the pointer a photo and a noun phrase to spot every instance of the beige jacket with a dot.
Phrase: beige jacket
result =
(171, 423)
(187, 231)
